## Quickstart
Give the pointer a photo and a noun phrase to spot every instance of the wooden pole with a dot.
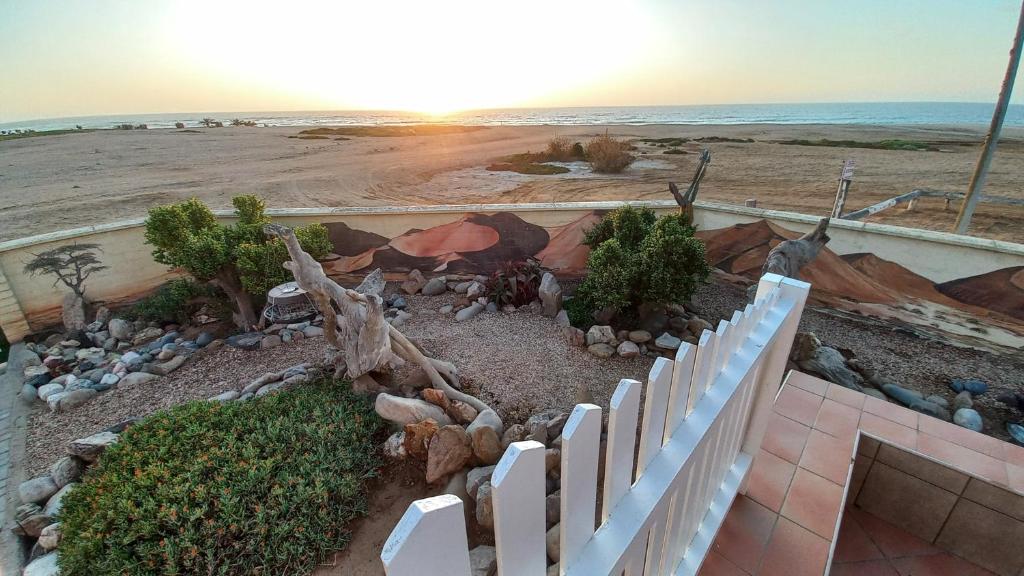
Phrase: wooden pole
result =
(963, 220)
(844, 187)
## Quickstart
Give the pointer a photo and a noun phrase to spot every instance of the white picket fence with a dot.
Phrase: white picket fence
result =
(703, 420)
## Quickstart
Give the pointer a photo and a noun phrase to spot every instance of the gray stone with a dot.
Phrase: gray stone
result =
(968, 418)
(54, 504)
(53, 401)
(446, 309)
(601, 335)
(553, 508)
(269, 342)
(65, 471)
(902, 395)
(136, 378)
(274, 387)
(312, 331)
(485, 506)
(698, 325)
(167, 367)
(963, 400)
(550, 295)
(248, 341)
(404, 411)
(204, 339)
(601, 350)
(640, 336)
(49, 538)
(668, 342)
(76, 398)
(462, 287)
(394, 446)
(414, 283)
(225, 396)
(551, 542)
(47, 390)
(36, 490)
(90, 447)
(483, 561)
(45, 565)
(488, 418)
(121, 329)
(435, 286)
(628, 350)
(109, 380)
(73, 313)
(467, 313)
(930, 408)
(145, 335)
(476, 478)
(936, 399)
(562, 318)
(27, 394)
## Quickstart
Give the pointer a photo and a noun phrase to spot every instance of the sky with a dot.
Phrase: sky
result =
(98, 57)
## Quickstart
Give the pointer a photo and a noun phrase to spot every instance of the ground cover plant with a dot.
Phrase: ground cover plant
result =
(912, 145)
(637, 258)
(176, 301)
(259, 487)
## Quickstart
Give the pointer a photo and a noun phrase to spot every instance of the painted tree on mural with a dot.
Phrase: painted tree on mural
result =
(71, 264)
(239, 259)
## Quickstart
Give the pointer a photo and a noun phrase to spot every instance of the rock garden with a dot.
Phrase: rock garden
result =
(202, 439)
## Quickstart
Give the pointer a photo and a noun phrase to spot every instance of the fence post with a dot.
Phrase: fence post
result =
(519, 517)
(581, 442)
(623, 414)
(773, 363)
(429, 539)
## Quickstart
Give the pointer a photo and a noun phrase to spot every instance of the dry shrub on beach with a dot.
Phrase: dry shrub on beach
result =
(560, 149)
(608, 155)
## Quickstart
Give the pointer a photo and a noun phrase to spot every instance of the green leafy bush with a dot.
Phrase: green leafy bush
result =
(637, 258)
(175, 301)
(260, 264)
(259, 487)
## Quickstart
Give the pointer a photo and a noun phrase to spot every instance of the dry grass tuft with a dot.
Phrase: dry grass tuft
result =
(609, 155)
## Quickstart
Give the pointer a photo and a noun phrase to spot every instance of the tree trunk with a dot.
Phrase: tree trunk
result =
(244, 315)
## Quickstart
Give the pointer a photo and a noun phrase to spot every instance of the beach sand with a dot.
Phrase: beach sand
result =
(52, 183)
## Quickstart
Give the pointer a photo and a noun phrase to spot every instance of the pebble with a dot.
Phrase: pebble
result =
(601, 350)
(435, 286)
(628, 349)
(446, 309)
(467, 313)
(963, 400)
(968, 418)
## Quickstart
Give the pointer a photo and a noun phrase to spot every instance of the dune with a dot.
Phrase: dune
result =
(460, 236)
(565, 251)
(999, 290)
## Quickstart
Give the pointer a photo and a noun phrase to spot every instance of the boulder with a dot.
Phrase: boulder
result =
(550, 295)
(553, 508)
(601, 335)
(698, 325)
(640, 336)
(90, 447)
(417, 437)
(47, 390)
(109, 380)
(404, 411)
(49, 537)
(485, 506)
(551, 542)
(274, 387)
(968, 418)
(53, 401)
(562, 318)
(73, 313)
(54, 504)
(121, 329)
(136, 378)
(486, 445)
(312, 331)
(475, 290)
(488, 418)
(476, 478)
(902, 395)
(167, 367)
(963, 400)
(146, 334)
(574, 336)
(414, 283)
(514, 433)
(930, 408)
(973, 385)
(247, 341)
(461, 412)
(483, 561)
(45, 565)
(449, 451)
(30, 520)
(601, 350)
(936, 399)
(269, 342)
(467, 313)
(435, 287)
(668, 342)
(36, 490)
(76, 398)
(204, 339)
(66, 470)
(628, 350)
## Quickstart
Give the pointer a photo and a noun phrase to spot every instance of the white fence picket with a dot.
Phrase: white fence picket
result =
(519, 510)
(623, 414)
(704, 417)
(581, 442)
(656, 406)
(430, 539)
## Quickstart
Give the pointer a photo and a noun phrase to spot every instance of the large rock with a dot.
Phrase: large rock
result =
(166, 368)
(436, 286)
(394, 446)
(66, 470)
(550, 295)
(135, 378)
(601, 335)
(45, 565)
(483, 561)
(417, 438)
(30, 520)
(551, 542)
(461, 412)
(449, 452)
(121, 329)
(562, 318)
(73, 313)
(76, 398)
(146, 334)
(467, 313)
(49, 538)
(90, 447)
(486, 445)
(36, 490)
(415, 283)
(601, 350)
(668, 342)
(973, 385)
(47, 390)
(54, 504)
(476, 478)
(514, 433)
(485, 506)
(628, 350)
(404, 411)
(574, 336)
(488, 418)
(968, 418)
(640, 336)
(963, 400)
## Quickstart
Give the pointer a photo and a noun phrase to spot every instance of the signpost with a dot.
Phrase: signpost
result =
(845, 178)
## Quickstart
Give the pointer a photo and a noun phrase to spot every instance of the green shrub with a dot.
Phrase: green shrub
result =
(260, 264)
(265, 486)
(175, 301)
(637, 258)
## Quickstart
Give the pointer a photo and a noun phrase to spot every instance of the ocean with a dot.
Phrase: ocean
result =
(875, 113)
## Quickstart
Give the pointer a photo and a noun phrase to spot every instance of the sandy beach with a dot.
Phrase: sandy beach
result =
(53, 183)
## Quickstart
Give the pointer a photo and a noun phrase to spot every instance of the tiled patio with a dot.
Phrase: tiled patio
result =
(804, 477)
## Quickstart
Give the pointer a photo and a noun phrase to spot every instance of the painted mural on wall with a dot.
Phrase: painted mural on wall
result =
(480, 243)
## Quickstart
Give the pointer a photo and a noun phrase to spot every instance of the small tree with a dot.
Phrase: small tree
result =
(238, 258)
(637, 259)
(72, 264)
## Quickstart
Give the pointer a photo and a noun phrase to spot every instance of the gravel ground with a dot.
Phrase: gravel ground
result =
(200, 378)
(902, 358)
(518, 363)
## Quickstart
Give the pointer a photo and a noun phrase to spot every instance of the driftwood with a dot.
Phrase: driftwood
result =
(686, 200)
(790, 256)
(354, 324)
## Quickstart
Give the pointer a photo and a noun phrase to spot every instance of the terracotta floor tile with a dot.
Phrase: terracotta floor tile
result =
(938, 565)
(888, 431)
(964, 459)
(794, 551)
(837, 419)
(846, 396)
(769, 480)
(890, 411)
(797, 404)
(716, 565)
(1016, 478)
(867, 568)
(853, 544)
(892, 541)
(814, 503)
(962, 436)
(807, 382)
(828, 456)
(1014, 454)
(745, 532)
(785, 438)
